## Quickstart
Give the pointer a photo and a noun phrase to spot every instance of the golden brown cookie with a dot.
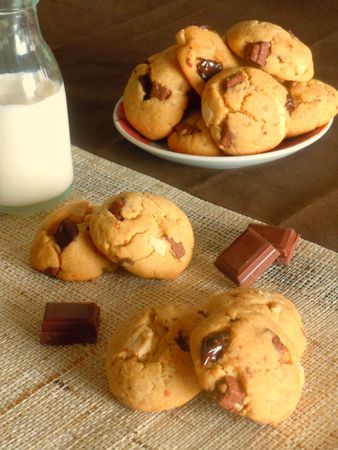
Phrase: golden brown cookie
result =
(314, 104)
(156, 95)
(272, 304)
(245, 110)
(249, 365)
(201, 54)
(149, 366)
(192, 136)
(146, 234)
(271, 48)
(63, 247)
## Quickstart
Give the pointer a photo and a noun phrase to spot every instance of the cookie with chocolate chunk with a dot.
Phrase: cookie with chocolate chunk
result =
(271, 48)
(245, 110)
(63, 247)
(192, 136)
(201, 54)
(248, 364)
(156, 95)
(314, 104)
(148, 363)
(271, 304)
(146, 234)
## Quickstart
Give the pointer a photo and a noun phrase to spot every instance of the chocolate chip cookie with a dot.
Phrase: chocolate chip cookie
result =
(271, 48)
(314, 104)
(271, 304)
(146, 234)
(249, 365)
(63, 247)
(192, 136)
(201, 54)
(148, 363)
(245, 110)
(156, 95)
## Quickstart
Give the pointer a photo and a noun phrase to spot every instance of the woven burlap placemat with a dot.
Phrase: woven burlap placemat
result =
(57, 397)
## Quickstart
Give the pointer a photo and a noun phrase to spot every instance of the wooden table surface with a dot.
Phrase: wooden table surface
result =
(98, 43)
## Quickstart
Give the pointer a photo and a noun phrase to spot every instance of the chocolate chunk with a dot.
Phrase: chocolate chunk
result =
(285, 240)
(257, 52)
(232, 399)
(70, 323)
(233, 80)
(176, 247)
(160, 92)
(244, 261)
(207, 68)
(51, 271)
(290, 105)
(213, 346)
(183, 341)
(66, 232)
(115, 208)
(203, 313)
(185, 129)
(226, 135)
(280, 347)
(146, 84)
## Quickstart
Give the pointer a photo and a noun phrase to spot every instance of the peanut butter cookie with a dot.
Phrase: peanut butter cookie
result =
(201, 54)
(156, 95)
(314, 104)
(148, 363)
(272, 304)
(249, 365)
(245, 110)
(63, 247)
(146, 234)
(192, 136)
(271, 48)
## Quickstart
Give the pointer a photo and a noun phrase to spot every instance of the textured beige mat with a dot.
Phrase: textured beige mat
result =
(57, 397)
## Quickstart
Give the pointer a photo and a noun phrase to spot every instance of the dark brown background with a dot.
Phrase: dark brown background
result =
(98, 43)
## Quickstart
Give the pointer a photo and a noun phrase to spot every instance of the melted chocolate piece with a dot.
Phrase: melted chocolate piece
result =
(290, 105)
(257, 52)
(213, 346)
(233, 398)
(66, 232)
(226, 135)
(233, 80)
(115, 208)
(207, 68)
(51, 271)
(160, 92)
(183, 342)
(146, 84)
(278, 344)
(176, 247)
(70, 323)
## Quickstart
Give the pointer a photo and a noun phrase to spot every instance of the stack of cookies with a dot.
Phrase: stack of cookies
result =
(146, 234)
(244, 348)
(234, 96)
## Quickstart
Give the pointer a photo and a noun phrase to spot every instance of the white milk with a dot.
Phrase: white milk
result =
(35, 155)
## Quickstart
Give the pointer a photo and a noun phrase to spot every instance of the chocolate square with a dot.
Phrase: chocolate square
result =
(70, 323)
(244, 261)
(285, 240)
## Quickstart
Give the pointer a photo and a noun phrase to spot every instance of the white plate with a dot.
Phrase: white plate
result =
(160, 148)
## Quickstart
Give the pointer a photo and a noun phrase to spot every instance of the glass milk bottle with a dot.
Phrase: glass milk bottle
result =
(36, 170)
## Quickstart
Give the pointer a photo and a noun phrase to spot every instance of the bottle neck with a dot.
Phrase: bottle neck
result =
(15, 6)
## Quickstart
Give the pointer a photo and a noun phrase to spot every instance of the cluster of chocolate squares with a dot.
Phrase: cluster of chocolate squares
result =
(245, 260)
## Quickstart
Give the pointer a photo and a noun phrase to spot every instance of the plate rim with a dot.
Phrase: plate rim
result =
(222, 160)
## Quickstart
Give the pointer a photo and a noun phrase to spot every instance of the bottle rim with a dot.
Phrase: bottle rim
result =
(15, 6)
